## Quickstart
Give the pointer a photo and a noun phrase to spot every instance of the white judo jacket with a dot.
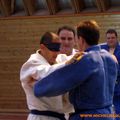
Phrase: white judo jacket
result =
(37, 67)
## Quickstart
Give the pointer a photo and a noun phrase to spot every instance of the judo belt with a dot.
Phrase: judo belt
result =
(78, 111)
(49, 113)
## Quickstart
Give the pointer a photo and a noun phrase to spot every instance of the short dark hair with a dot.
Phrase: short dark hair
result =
(46, 38)
(111, 31)
(69, 28)
(89, 30)
(50, 40)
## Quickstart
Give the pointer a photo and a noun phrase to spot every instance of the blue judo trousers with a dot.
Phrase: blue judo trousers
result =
(116, 97)
(90, 82)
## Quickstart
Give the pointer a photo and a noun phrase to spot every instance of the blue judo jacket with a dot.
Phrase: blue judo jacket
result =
(90, 81)
(117, 54)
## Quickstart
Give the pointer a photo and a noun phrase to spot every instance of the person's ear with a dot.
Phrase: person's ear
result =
(82, 40)
(42, 46)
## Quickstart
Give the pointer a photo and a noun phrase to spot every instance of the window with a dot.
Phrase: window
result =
(41, 7)
(64, 6)
(18, 9)
(90, 6)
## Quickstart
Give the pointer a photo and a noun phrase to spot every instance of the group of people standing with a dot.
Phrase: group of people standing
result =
(88, 77)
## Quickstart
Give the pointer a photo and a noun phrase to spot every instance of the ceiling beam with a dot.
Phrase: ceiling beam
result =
(54, 6)
(1, 9)
(78, 5)
(5, 6)
(12, 6)
(49, 6)
(105, 4)
(29, 6)
(98, 5)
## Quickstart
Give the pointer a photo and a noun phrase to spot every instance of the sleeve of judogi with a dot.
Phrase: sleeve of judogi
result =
(63, 58)
(65, 79)
(37, 70)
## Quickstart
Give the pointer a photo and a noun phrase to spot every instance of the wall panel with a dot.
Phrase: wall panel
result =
(19, 37)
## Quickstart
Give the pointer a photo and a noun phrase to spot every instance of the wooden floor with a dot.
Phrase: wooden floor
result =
(5, 116)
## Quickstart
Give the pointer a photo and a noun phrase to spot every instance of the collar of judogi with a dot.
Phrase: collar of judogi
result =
(94, 47)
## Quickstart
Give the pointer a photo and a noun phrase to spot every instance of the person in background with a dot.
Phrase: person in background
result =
(67, 39)
(39, 65)
(90, 80)
(112, 46)
(66, 36)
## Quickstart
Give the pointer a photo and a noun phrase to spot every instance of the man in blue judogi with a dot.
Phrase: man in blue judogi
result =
(113, 47)
(90, 79)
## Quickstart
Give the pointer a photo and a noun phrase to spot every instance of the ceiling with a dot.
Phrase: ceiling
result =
(10, 8)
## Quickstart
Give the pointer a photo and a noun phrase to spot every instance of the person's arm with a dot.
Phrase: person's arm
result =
(37, 70)
(62, 58)
(64, 79)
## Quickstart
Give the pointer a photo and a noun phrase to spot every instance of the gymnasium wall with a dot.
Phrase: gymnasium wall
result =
(19, 37)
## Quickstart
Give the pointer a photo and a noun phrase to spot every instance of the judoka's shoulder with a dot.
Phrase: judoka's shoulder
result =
(102, 44)
(82, 56)
(88, 56)
(32, 61)
(74, 51)
(61, 58)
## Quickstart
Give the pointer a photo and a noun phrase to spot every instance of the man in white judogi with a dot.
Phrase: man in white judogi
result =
(38, 66)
